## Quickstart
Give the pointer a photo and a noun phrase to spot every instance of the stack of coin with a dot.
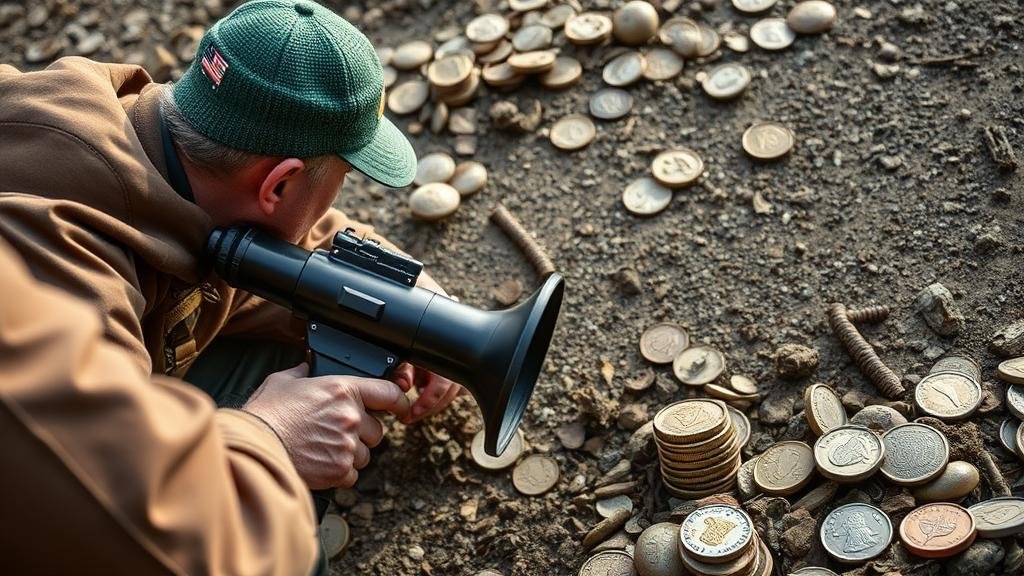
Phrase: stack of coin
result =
(720, 540)
(1012, 431)
(454, 79)
(698, 447)
(951, 390)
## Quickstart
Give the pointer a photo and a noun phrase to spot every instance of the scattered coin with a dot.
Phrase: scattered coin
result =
(726, 81)
(662, 342)
(609, 562)
(608, 506)
(856, 532)
(947, 395)
(657, 553)
(588, 28)
(914, 454)
(677, 168)
(728, 394)
(962, 364)
(662, 64)
(1008, 435)
(768, 140)
(812, 570)
(487, 28)
(408, 97)
(501, 75)
(957, 481)
(412, 55)
(334, 534)
(532, 62)
(772, 34)
(823, 409)
(741, 565)
(743, 384)
(684, 36)
(849, 453)
(507, 458)
(439, 118)
(557, 16)
(469, 178)
(938, 530)
(1011, 370)
(434, 201)
(573, 132)
(450, 71)
(624, 69)
(567, 71)
(1019, 438)
(635, 22)
(742, 425)
(716, 533)
(784, 468)
(535, 474)
(436, 167)
(458, 45)
(999, 517)
(753, 6)
(698, 365)
(498, 54)
(710, 41)
(811, 17)
(529, 38)
(645, 197)
(736, 42)
(1015, 401)
(526, 5)
(611, 103)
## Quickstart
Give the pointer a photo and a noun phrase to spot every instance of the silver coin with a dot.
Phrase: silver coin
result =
(611, 103)
(624, 69)
(813, 571)
(1008, 435)
(645, 197)
(1015, 400)
(849, 454)
(914, 454)
(772, 34)
(609, 506)
(726, 81)
(856, 533)
(656, 550)
(753, 6)
(999, 517)
(948, 395)
(609, 563)
(716, 533)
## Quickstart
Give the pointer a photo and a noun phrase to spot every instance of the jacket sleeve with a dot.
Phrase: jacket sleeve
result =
(104, 465)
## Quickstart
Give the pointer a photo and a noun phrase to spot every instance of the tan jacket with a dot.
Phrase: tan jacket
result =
(194, 490)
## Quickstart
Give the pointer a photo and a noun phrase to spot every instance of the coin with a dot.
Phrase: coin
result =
(1008, 435)
(609, 563)
(487, 28)
(742, 426)
(753, 6)
(535, 37)
(848, 453)
(736, 42)
(784, 468)
(434, 201)
(728, 394)
(690, 420)
(743, 384)
(567, 71)
(811, 17)
(449, 71)
(683, 35)
(334, 534)
(436, 167)
(947, 395)
(856, 532)
(999, 517)
(823, 409)
(465, 92)
(684, 494)
(645, 197)
(507, 458)
(716, 534)
(698, 365)
(526, 5)
(501, 75)
(657, 553)
(588, 28)
(767, 140)
(1019, 438)
(772, 34)
(812, 570)
(624, 69)
(611, 103)
(573, 132)
(532, 62)
(459, 45)
(677, 168)
(914, 454)
(412, 55)
(740, 565)
(609, 506)
(1011, 370)
(498, 54)
(408, 97)
(966, 366)
(635, 22)
(938, 530)
(662, 64)
(556, 16)
(1015, 401)
(709, 41)
(535, 474)
(726, 81)
(662, 342)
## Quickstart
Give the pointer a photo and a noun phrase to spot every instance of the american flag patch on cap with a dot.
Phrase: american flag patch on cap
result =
(214, 65)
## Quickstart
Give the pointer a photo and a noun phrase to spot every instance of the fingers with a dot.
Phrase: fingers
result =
(436, 393)
(361, 457)
(349, 479)
(403, 376)
(371, 432)
(382, 395)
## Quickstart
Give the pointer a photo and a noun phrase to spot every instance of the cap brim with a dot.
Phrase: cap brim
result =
(388, 158)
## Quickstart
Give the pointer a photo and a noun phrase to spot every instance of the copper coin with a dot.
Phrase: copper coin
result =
(408, 97)
(698, 365)
(753, 6)
(609, 563)
(662, 64)
(999, 517)
(436, 167)
(856, 532)
(742, 425)
(811, 17)
(784, 468)
(772, 34)
(434, 201)
(716, 534)
(412, 55)
(661, 343)
(635, 22)
(683, 35)
(690, 420)
(823, 409)
(469, 178)
(677, 168)
(645, 197)
(726, 81)
(768, 140)
(534, 62)
(567, 71)
(529, 38)
(535, 474)
(611, 103)
(498, 54)
(624, 69)
(938, 530)
(507, 458)
(914, 454)
(1011, 370)
(487, 28)
(573, 132)
(588, 28)
(334, 534)
(450, 71)
(743, 384)
(948, 396)
(1015, 401)
(849, 454)
(1008, 435)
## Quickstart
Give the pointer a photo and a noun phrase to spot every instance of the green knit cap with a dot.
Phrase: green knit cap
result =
(292, 78)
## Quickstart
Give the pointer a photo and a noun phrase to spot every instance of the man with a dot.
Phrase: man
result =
(110, 185)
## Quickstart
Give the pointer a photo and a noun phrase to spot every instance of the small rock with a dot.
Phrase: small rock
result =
(572, 435)
(345, 497)
(632, 416)
(43, 50)
(726, 499)
(767, 515)
(416, 553)
(815, 499)
(776, 409)
(161, 63)
(793, 361)
(505, 115)
(886, 72)
(628, 281)
(989, 242)
(797, 539)
(617, 474)
(618, 541)
(605, 528)
(666, 385)
(90, 43)
(889, 52)
(465, 145)
(991, 398)
(361, 514)
(933, 352)
(797, 428)
(980, 559)
(935, 303)
(890, 163)
(38, 15)
(508, 292)
(745, 480)
(462, 121)
(641, 447)
(1001, 195)
(855, 400)
(897, 502)
(957, 481)
(1008, 341)
(878, 418)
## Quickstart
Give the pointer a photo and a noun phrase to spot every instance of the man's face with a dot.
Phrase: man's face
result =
(304, 201)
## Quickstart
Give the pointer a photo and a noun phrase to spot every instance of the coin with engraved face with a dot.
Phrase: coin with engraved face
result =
(823, 409)
(1011, 370)
(656, 552)
(645, 197)
(768, 140)
(698, 365)
(938, 530)
(573, 132)
(914, 454)
(662, 342)
(849, 454)
(948, 396)
(624, 69)
(611, 103)
(677, 168)
(535, 474)
(588, 28)
(690, 420)
(999, 517)
(662, 64)
(726, 81)
(609, 563)
(487, 28)
(784, 468)
(716, 533)
(856, 533)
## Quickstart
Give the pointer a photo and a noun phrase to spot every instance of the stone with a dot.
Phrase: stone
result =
(641, 447)
(794, 361)
(505, 115)
(959, 479)
(572, 435)
(628, 281)
(980, 559)
(632, 416)
(508, 292)
(618, 473)
(776, 409)
(855, 400)
(1008, 341)
(798, 538)
(605, 528)
(797, 429)
(935, 303)
(878, 418)
(991, 398)
(745, 480)
(897, 502)
(767, 515)
(818, 497)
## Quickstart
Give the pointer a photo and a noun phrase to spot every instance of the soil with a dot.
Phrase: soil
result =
(890, 188)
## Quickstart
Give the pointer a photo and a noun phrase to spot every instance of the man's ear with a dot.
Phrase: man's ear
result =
(277, 183)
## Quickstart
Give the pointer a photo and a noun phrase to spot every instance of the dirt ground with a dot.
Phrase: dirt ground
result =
(890, 188)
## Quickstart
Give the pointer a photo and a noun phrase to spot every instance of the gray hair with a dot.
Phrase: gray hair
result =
(214, 157)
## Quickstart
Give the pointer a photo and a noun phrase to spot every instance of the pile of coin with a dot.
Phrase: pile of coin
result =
(720, 540)
(698, 447)
(951, 390)
(1011, 433)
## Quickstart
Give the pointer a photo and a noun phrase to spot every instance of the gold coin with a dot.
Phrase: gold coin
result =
(645, 197)
(487, 28)
(624, 69)
(729, 395)
(501, 75)
(677, 168)
(529, 38)
(662, 64)
(500, 52)
(436, 167)
(948, 396)
(412, 55)
(767, 140)
(408, 97)
(811, 17)
(686, 481)
(661, 343)
(683, 35)
(743, 384)
(690, 420)
(588, 28)
(702, 466)
(742, 426)
(557, 16)
(465, 92)
(469, 178)
(726, 81)
(694, 494)
(459, 45)
(450, 71)
(534, 62)
(535, 474)
(567, 71)
(698, 365)
(720, 445)
(823, 409)
(849, 454)
(772, 34)
(573, 132)
(784, 468)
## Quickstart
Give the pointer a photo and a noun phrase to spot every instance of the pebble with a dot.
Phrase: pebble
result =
(635, 22)
(571, 435)
(412, 55)
(434, 201)
(745, 480)
(935, 303)
(878, 418)
(794, 361)
(408, 97)
(981, 559)
(605, 528)
(632, 416)
(959, 479)
(811, 17)
(43, 50)
(641, 447)
(1008, 341)
(798, 538)
(436, 167)
(818, 497)
(469, 178)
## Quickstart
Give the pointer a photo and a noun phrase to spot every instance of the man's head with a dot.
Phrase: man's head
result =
(282, 99)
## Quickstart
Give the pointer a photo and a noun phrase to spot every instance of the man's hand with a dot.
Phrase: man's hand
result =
(324, 421)
(436, 392)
